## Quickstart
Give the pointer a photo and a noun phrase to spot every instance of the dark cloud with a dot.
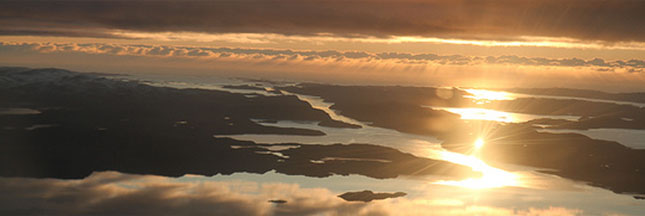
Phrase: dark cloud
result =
(616, 20)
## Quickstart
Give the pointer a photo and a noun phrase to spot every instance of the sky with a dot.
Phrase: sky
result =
(589, 44)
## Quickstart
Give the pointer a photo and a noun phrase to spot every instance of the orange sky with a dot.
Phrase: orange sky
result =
(500, 43)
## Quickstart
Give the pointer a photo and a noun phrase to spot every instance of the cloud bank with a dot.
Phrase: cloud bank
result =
(609, 21)
(332, 66)
(330, 56)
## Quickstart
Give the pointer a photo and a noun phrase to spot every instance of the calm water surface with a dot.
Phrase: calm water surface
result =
(503, 189)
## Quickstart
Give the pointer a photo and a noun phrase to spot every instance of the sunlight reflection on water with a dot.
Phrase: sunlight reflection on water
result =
(481, 96)
(422, 146)
(520, 187)
(491, 177)
(498, 116)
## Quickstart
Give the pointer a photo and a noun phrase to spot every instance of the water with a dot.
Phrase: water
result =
(18, 111)
(472, 113)
(483, 95)
(245, 194)
(510, 190)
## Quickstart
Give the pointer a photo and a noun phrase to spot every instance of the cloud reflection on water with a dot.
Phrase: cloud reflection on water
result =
(120, 194)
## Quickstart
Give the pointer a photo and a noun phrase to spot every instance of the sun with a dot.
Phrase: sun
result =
(479, 143)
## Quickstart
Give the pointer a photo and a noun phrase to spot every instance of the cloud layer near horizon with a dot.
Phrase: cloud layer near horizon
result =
(609, 21)
(332, 66)
(330, 56)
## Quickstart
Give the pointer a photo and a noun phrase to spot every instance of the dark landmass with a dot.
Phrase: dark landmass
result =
(74, 153)
(638, 97)
(96, 124)
(393, 107)
(365, 159)
(547, 106)
(116, 101)
(392, 94)
(594, 114)
(244, 87)
(639, 197)
(278, 201)
(368, 196)
(401, 108)
(601, 163)
(68, 98)
(585, 123)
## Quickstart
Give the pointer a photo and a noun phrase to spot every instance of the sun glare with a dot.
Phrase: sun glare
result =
(479, 143)
(491, 177)
(481, 96)
(480, 114)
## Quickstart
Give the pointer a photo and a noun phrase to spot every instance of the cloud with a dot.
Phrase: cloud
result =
(335, 66)
(112, 193)
(117, 194)
(617, 20)
(327, 57)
